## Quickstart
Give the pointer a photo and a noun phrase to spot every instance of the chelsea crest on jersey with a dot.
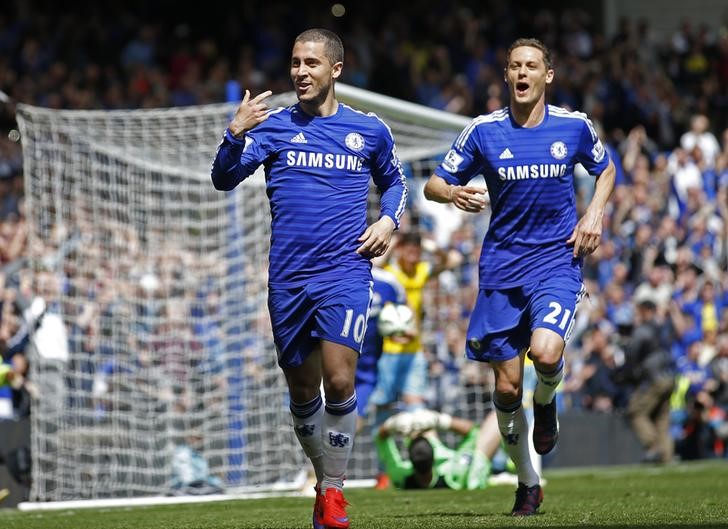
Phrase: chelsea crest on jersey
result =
(529, 174)
(318, 171)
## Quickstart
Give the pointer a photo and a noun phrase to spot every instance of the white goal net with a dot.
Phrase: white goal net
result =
(157, 285)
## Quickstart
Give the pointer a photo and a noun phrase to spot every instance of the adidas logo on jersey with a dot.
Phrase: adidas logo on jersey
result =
(299, 138)
(506, 154)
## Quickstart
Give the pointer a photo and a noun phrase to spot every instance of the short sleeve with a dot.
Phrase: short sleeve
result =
(592, 154)
(463, 161)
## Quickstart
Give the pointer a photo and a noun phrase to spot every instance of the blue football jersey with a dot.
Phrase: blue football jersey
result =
(385, 289)
(530, 177)
(317, 172)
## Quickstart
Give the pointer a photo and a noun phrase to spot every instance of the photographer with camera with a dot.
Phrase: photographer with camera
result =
(649, 368)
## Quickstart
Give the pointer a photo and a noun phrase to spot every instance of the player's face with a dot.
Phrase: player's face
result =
(527, 75)
(312, 73)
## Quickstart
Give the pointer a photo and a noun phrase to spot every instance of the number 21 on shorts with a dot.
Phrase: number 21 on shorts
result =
(558, 315)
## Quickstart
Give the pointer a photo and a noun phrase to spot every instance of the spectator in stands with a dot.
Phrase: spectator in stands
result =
(717, 386)
(696, 439)
(701, 137)
(685, 174)
(593, 386)
(650, 369)
(657, 286)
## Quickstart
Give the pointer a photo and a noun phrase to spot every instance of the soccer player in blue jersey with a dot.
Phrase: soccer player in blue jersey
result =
(318, 156)
(385, 289)
(530, 265)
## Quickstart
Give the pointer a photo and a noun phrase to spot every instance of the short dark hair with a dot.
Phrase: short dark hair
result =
(333, 47)
(411, 237)
(421, 454)
(647, 304)
(533, 43)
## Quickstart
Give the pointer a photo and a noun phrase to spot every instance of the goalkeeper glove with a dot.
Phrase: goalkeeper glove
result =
(400, 423)
(428, 420)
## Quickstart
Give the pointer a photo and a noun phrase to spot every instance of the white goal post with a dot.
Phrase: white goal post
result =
(159, 281)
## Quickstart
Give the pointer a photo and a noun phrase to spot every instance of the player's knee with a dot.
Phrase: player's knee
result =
(507, 392)
(546, 348)
(303, 388)
(302, 393)
(546, 357)
(338, 387)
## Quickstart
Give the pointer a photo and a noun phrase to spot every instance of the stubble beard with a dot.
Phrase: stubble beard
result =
(317, 99)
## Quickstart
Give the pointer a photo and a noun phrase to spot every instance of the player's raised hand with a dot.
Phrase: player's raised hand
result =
(376, 238)
(587, 234)
(468, 198)
(250, 113)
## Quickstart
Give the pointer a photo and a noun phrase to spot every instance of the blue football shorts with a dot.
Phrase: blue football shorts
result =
(503, 320)
(364, 389)
(302, 316)
(366, 368)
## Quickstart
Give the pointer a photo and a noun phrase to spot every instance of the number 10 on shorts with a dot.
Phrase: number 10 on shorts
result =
(360, 326)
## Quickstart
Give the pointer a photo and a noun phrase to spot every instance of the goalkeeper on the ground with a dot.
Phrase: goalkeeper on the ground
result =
(432, 464)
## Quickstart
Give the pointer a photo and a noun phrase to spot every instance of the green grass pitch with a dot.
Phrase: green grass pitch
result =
(689, 496)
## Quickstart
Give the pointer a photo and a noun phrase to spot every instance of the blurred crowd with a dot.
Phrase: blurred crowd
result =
(660, 104)
(448, 56)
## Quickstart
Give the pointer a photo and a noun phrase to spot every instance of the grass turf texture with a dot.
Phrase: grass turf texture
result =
(685, 496)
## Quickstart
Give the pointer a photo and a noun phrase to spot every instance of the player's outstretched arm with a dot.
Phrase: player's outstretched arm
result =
(588, 231)
(250, 113)
(467, 198)
(460, 425)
